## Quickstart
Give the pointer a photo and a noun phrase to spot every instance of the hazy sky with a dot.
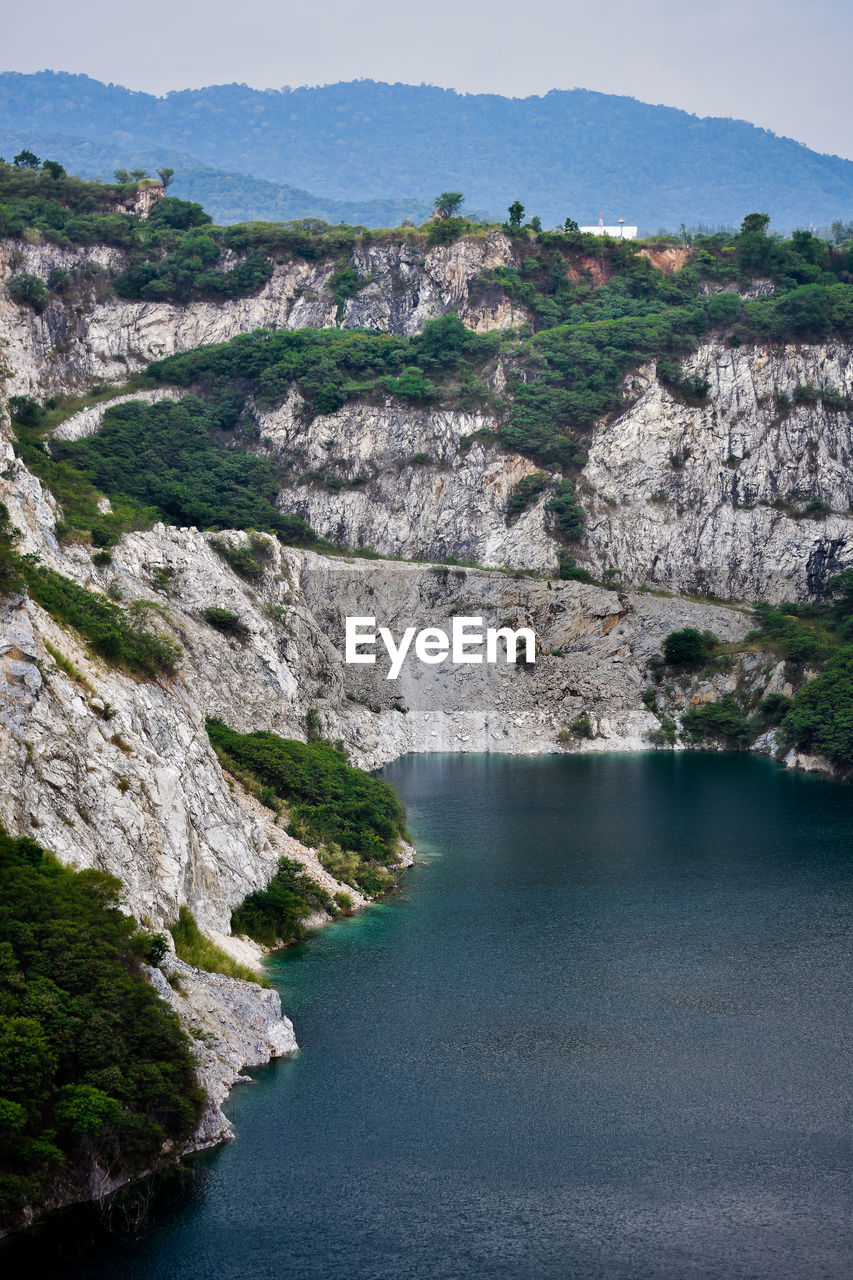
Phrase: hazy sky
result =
(784, 65)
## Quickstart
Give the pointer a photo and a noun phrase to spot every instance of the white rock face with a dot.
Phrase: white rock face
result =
(419, 483)
(234, 1025)
(593, 648)
(116, 773)
(406, 288)
(684, 496)
(88, 421)
(705, 499)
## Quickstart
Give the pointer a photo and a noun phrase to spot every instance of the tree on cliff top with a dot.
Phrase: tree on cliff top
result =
(448, 204)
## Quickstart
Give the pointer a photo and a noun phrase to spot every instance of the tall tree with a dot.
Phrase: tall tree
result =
(449, 203)
(516, 215)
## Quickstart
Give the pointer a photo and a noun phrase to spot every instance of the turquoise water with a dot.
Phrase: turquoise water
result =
(604, 1033)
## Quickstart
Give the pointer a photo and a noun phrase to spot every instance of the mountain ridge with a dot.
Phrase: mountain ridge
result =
(565, 153)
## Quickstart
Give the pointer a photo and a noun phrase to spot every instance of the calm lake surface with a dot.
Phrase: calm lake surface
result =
(605, 1033)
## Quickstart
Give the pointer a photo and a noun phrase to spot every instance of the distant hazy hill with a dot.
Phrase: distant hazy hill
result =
(228, 197)
(564, 154)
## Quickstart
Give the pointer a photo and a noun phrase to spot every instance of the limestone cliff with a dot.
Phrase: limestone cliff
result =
(744, 496)
(91, 335)
(747, 496)
(416, 483)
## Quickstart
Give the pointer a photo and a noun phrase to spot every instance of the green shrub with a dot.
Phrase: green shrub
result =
(108, 630)
(689, 647)
(59, 280)
(195, 948)
(770, 711)
(241, 558)
(227, 622)
(718, 721)
(150, 947)
(693, 390)
(525, 492)
(10, 564)
(569, 569)
(273, 916)
(329, 800)
(568, 513)
(412, 384)
(344, 284)
(28, 290)
(446, 230)
(796, 639)
(581, 726)
(77, 496)
(94, 1068)
(26, 411)
(164, 455)
(820, 718)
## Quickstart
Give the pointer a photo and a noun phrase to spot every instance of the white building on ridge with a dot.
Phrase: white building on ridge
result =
(618, 232)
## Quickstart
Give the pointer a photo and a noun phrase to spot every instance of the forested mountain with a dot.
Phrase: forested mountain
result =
(568, 153)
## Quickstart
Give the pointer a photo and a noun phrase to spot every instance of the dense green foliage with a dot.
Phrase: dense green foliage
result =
(568, 152)
(569, 569)
(567, 512)
(600, 308)
(175, 254)
(63, 208)
(329, 800)
(720, 721)
(164, 456)
(688, 646)
(274, 916)
(796, 639)
(75, 492)
(568, 374)
(94, 1068)
(329, 367)
(28, 290)
(821, 715)
(112, 632)
(525, 492)
(10, 565)
(230, 624)
(247, 559)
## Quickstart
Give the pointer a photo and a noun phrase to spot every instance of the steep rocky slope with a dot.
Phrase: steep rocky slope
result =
(417, 483)
(715, 498)
(96, 336)
(746, 496)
